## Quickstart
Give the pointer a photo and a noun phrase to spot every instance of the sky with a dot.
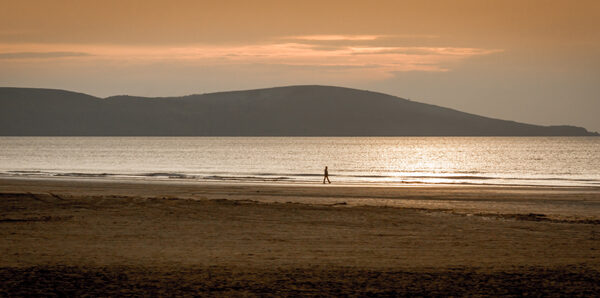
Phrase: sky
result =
(531, 61)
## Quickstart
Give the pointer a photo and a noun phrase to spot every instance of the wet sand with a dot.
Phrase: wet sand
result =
(75, 237)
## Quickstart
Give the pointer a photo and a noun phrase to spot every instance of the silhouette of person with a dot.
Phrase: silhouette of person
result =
(326, 176)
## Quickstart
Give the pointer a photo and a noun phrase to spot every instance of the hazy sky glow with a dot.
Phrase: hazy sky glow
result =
(532, 61)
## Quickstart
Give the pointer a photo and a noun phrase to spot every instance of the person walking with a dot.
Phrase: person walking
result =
(326, 176)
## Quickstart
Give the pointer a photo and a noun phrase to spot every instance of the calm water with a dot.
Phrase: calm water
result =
(564, 161)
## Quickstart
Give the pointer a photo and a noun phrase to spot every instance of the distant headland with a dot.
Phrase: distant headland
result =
(281, 111)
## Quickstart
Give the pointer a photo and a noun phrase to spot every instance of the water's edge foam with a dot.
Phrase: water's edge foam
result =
(301, 178)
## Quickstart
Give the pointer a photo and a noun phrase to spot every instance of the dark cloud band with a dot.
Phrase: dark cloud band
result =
(28, 55)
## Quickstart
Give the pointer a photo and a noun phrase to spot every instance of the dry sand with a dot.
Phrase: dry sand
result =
(76, 237)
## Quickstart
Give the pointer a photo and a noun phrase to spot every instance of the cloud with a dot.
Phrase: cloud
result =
(445, 51)
(386, 59)
(380, 61)
(42, 55)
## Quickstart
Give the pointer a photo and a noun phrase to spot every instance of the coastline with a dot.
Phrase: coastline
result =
(310, 179)
(89, 235)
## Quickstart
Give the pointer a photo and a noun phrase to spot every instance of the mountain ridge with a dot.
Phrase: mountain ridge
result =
(301, 110)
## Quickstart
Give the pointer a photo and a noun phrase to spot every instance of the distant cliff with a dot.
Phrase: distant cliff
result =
(281, 111)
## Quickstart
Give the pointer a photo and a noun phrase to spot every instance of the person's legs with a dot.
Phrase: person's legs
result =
(327, 180)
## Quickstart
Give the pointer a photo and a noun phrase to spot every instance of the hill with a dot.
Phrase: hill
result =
(280, 111)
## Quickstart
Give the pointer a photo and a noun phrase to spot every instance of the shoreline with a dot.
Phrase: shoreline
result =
(316, 183)
(287, 181)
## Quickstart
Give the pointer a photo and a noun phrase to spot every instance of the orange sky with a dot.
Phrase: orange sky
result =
(522, 60)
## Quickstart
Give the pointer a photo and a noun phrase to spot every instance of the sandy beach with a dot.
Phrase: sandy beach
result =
(103, 237)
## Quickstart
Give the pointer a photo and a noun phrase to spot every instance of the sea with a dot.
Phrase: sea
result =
(536, 161)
